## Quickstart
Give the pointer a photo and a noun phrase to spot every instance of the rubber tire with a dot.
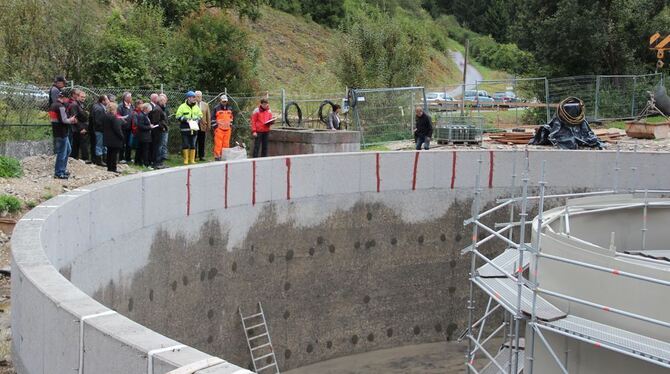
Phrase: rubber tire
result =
(323, 104)
(286, 108)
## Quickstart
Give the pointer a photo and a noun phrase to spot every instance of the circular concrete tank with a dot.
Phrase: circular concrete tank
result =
(347, 252)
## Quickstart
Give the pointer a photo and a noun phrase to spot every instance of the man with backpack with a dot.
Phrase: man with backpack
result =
(60, 127)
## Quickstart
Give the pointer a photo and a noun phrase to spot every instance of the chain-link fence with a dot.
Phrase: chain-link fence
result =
(500, 103)
(381, 115)
(385, 114)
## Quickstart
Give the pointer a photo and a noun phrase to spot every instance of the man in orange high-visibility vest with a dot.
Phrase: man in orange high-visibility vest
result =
(222, 121)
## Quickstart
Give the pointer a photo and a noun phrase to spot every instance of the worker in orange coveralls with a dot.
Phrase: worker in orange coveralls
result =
(222, 121)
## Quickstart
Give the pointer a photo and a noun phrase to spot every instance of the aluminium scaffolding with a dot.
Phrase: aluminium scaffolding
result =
(523, 301)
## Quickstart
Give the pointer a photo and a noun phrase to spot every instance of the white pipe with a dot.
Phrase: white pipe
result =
(82, 322)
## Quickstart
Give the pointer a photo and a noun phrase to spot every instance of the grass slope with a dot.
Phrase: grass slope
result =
(300, 56)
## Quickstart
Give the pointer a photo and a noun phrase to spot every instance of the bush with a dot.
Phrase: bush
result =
(211, 53)
(10, 167)
(9, 204)
(382, 51)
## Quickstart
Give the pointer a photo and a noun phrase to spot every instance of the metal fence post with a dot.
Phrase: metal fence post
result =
(479, 112)
(546, 98)
(412, 118)
(595, 116)
(632, 106)
(283, 106)
(162, 88)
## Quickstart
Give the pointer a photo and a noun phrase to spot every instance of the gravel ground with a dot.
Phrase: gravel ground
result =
(625, 143)
(38, 184)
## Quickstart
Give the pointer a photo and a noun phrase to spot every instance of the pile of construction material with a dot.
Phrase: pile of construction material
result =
(514, 137)
(524, 136)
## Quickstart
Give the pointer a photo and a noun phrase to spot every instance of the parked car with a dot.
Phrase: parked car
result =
(438, 99)
(481, 98)
(24, 94)
(504, 97)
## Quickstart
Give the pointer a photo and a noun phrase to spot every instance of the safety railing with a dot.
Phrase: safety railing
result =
(513, 317)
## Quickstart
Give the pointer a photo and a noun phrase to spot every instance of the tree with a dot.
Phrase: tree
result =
(211, 53)
(573, 37)
(132, 50)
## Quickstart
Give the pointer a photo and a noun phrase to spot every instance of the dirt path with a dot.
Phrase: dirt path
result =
(473, 75)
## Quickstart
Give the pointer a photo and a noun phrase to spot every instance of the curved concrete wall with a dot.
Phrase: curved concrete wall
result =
(347, 252)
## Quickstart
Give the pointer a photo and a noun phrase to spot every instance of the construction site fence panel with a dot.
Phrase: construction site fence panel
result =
(381, 114)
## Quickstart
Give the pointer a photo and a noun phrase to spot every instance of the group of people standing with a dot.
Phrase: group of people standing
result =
(108, 133)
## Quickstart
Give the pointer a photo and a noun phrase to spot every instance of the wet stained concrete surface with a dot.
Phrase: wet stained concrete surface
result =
(366, 276)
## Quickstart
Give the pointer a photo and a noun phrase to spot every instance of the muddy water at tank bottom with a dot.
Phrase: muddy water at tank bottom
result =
(432, 358)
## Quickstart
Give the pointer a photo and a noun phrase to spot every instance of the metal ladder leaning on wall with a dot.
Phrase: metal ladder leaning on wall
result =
(259, 342)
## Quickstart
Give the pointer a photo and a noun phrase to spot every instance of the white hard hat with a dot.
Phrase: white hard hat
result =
(224, 97)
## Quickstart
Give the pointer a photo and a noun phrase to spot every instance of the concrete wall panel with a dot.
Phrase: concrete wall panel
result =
(165, 196)
(240, 183)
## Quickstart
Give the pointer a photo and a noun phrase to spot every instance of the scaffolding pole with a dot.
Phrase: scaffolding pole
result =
(534, 269)
(520, 279)
(473, 263)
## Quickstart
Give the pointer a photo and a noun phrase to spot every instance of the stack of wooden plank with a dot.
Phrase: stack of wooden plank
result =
(513, 137)
(609, 135)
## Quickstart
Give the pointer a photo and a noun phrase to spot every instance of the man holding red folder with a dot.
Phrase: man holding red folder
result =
(261, 120)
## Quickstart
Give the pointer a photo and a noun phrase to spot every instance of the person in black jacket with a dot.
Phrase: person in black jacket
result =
(144, 128)
(97, 115)
(80, 137)
(126, 109)
(159, 120)
(112, 127)
(423, 129)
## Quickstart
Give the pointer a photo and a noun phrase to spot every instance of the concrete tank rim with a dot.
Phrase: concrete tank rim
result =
(31, 260)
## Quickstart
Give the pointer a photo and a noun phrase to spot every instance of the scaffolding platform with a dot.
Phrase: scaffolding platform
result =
(503, 359)
(505, 291)
(507, 261)
(606, 336)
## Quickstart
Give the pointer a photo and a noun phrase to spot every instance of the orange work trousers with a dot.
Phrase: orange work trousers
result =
(221, 141)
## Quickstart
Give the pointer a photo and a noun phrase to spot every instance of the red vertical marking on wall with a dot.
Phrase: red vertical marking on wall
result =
(225, 189)
(453, 170)
(188, 192)
(416, 164)
(288, 178)
(378, 177)
(490, 169)
(253, 182)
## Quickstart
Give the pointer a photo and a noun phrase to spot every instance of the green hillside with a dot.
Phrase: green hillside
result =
(299, 55)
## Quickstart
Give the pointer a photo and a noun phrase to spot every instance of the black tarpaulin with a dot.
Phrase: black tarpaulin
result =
(569, 129)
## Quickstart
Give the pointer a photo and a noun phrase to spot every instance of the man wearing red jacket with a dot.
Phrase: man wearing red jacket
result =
(261, 120)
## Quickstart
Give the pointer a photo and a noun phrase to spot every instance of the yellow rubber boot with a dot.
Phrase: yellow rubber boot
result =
(192, 155)
(184, 153)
